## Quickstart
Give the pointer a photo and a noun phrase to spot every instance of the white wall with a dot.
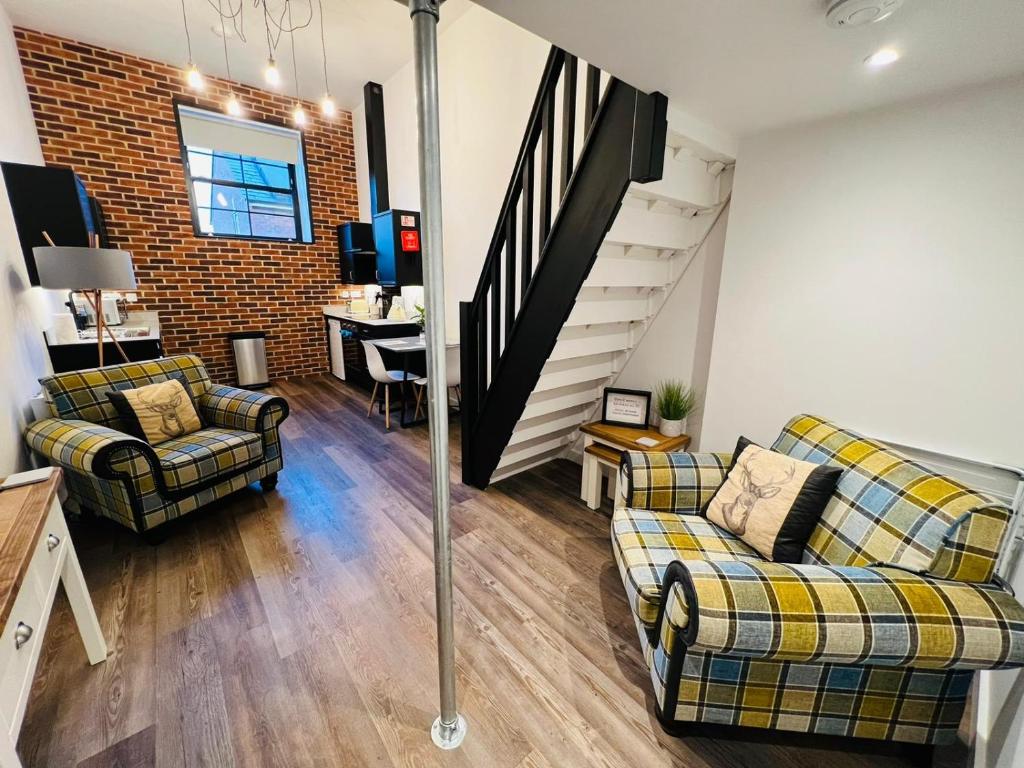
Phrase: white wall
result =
(874, 274)
(488, 73)
(22, 353)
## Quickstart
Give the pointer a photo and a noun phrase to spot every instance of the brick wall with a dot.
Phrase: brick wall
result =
(110, 117)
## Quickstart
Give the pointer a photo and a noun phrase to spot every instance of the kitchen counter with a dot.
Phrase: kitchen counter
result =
(340, 312)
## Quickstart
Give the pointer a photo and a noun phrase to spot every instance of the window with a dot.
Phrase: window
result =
(246, 179)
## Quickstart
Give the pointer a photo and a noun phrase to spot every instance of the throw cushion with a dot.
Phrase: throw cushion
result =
(157, 412)
(772, 501)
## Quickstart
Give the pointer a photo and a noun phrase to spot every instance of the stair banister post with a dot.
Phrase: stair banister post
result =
(449, 728)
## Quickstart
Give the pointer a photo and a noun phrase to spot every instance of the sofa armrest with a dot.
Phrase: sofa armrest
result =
(93, 449)
(233, 408)
(843, 615)
(672, 482)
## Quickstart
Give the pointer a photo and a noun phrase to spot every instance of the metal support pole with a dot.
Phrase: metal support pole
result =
(449, 729)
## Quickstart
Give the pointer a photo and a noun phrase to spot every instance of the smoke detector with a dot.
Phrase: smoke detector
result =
(847, 14)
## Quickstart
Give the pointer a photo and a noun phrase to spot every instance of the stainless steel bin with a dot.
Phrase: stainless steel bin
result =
(250, 348)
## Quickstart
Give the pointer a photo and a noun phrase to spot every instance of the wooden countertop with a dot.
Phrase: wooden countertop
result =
(23, 511)
(626, 437)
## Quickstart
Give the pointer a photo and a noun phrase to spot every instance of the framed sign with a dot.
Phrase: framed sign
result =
(626, 407)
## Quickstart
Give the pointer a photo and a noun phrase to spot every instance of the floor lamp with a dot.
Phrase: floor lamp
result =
(89, 271)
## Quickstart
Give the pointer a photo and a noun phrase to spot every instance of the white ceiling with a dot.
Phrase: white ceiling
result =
(366, 39)
(748, 65)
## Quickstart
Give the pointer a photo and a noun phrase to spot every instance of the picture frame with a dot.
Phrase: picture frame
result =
(626, 407)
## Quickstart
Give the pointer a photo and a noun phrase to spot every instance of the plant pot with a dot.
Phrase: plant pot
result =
(671, 427)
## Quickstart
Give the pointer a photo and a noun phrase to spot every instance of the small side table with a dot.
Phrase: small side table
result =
(36, 556)
(603, 445)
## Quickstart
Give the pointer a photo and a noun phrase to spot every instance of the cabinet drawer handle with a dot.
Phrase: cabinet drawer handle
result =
(52, 542)
(21, 635)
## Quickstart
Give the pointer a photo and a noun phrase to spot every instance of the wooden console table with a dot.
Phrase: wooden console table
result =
(603, 445)
(36, 554)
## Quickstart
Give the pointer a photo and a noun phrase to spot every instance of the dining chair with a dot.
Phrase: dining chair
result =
(381, 375)
(453, 364)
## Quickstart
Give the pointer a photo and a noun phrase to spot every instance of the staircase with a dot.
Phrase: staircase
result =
(603, 212)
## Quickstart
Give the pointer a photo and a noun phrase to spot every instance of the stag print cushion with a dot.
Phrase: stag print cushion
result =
(772, 501)
(157, 412)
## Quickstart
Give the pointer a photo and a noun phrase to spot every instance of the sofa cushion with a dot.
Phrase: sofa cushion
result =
(889, 509)
(645, 542)
(772, 501)
(202, 456)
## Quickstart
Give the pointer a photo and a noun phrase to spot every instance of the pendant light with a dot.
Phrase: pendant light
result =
(232, 106)
(271, 73)
(298, 114)
(327, 106)
(193, 76)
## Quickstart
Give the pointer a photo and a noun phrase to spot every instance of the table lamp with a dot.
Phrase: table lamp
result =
(89, 271)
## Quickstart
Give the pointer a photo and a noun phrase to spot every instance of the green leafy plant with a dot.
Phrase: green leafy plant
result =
(674, 400)
(421, 316)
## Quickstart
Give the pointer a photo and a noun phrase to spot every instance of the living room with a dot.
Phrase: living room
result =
(792, 227)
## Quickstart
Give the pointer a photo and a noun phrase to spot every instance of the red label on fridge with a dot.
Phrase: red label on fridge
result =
(410, 240)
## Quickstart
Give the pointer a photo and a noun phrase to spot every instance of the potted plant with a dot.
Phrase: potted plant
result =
(421, 319)
(674, 401)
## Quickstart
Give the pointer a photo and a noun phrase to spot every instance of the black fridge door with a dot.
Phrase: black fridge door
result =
(358, 267)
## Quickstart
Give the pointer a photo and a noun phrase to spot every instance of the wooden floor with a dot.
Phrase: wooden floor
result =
(297, 628)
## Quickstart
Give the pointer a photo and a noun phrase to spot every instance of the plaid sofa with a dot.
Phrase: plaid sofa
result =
(876, 634)
(142, 486)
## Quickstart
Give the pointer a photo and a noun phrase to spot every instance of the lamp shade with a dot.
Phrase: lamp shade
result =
(82, 269)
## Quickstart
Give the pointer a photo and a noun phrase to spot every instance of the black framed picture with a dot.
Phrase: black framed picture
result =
(626, 407)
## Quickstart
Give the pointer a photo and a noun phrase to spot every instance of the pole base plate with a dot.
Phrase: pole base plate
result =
(448, 736)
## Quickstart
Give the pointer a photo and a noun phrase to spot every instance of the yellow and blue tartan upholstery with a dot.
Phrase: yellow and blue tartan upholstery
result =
(141, 486)
(877, 634)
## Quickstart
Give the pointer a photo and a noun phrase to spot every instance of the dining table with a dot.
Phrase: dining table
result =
(406, 347)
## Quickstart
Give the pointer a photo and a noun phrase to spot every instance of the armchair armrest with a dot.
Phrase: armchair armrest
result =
(672, 482)
(82, 446)
(233, 408)
(844, 615)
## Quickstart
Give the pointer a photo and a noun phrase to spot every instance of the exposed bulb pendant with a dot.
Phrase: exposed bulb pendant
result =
(194, 77)
(299, 115)
(327, 106)
(271, 73)
(233, 106)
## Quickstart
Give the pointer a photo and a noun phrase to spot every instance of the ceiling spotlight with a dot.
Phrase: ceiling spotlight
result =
(194, 77)
(882, 58)
(327, 106)
(233, 106)
(271, 73)
(299, 115)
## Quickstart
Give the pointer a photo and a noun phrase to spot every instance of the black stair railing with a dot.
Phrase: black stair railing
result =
(543, 246)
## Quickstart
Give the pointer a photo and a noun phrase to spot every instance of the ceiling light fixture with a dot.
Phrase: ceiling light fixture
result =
(193, 76)
(882, 58)
(298, 114)
(233, 106)
(327, 105)
(271, 73)
(847, 14)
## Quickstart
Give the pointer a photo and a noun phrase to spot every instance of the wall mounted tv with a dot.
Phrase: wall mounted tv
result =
(48, 199)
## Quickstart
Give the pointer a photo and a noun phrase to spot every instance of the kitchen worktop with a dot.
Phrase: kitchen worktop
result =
(341, 312)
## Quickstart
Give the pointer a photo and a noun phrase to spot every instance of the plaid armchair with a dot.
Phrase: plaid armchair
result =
(143, 486)
(876, 634)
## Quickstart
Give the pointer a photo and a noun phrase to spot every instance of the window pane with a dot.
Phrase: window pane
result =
(225, 222)
(277, 203)
(227, 167)
(229, 198)
(267, 175)
(203, 193)
(264, 225)
(200, 162)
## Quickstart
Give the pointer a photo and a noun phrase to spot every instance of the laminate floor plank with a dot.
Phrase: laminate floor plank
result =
(296, 629)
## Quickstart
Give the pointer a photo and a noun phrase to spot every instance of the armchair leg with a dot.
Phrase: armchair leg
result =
(155, 536)
(269, 482)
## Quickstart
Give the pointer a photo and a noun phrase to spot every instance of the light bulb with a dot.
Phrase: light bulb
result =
(194, 77)
(327, 106)
(233, 106)
(299, 115)
(882, 58)
(271, 73)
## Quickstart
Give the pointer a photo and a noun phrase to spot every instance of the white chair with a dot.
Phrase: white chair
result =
(453, 364)
(381, 375)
